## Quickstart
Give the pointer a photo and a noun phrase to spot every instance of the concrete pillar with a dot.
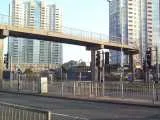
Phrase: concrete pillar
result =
(94, 69)
(93, 66)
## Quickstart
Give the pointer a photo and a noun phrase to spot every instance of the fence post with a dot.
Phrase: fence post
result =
(90, 89)
(74, 88)
(2, 84)
(33, 86)
(122, 89)
(49, 115)
(103, 89)
(62, 87)
(18, 82)
(153, 92)
(96, 88)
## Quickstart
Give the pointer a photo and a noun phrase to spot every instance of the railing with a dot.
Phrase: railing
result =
(17, 112)
(130, 90)
(142, 91)
(72, 32)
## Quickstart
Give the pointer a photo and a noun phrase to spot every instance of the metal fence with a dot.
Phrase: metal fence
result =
(131, 90)
(18, 112)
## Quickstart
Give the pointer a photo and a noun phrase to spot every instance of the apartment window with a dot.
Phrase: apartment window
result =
(149, 27)
(149, 39)
(130, 4)
(130, 29)
(149, 19)
(150, 35)
(149, 23)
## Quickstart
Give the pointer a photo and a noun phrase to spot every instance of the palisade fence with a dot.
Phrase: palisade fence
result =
(129, 90)
(18, 112)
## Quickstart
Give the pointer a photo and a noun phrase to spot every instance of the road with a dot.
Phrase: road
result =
(91, 110)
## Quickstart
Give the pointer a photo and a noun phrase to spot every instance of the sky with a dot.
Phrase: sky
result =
(88, 15)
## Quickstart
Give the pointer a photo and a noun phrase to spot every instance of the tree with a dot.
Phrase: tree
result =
(64, 69)
(28, 71)
(82, 63)
(68, 65)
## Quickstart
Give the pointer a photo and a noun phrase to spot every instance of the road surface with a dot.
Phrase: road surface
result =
(91, 110)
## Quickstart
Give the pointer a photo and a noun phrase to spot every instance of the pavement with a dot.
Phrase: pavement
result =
(86, 109)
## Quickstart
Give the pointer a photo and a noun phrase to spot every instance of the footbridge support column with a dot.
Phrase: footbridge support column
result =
(94, 70)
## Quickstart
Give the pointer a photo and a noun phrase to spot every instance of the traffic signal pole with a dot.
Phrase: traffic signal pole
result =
(98, 64)
(148, 58)
(101, 69)
(131, 66)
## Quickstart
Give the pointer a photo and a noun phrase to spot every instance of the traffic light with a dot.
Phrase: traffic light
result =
(144, 65)
(106, 58)
(6, 60)
(149, 57)
(107, 66)
(98, 59)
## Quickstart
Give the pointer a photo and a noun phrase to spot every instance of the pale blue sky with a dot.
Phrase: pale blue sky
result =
(90, 15)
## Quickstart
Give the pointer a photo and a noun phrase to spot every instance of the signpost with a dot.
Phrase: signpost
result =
(43, 85)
